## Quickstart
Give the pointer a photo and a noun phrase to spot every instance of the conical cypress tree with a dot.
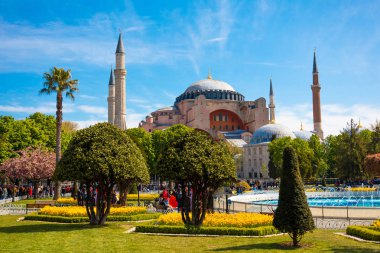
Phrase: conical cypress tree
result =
(292, 215)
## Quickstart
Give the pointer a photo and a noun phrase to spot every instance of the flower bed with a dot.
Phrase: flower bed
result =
(367, 233)
(246, 220)
(63, 219)
(376, 225)
(80, 211)
(258, 231)
(361, 189)
(67, 201)
(146, 197)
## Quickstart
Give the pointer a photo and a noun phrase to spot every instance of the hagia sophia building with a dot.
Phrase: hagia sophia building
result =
(216, 107)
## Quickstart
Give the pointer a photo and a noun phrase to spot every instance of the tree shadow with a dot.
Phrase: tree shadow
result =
(353, 249)
(289, 247)
(45, 228)
(262, 246)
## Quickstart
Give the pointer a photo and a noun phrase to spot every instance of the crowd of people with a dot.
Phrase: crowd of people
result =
(9, 191)
(28, 191)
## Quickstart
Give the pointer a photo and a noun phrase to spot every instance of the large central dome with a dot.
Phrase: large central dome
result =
(209, 84)
(211, 89)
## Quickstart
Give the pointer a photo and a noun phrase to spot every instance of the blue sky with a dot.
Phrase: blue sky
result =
(171, 44)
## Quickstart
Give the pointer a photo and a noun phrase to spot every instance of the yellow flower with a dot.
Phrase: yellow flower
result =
(222, 219)
(80, 211)
(376, 224)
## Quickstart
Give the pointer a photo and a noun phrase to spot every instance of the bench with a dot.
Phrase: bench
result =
(36, 205)
(45, 202)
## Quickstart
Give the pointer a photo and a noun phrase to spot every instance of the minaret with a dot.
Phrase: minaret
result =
(111, 98)
(272, 117)
(120, 74)
(316, 88)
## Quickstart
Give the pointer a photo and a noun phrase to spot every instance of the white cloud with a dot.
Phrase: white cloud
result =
(43, 108)
(87, 97)
(217, 39)
(86, 123)
(93, 109)
(334, 116)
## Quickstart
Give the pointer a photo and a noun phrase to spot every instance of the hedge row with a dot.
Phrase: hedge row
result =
(366, 233)
(259, 231)
(62, 219)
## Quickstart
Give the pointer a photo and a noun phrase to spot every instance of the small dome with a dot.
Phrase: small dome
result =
(266, 133)
(168, 108)
(209, 84)
(304, 135)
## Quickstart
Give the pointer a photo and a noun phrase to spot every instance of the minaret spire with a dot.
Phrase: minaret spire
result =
(315, 67)
(120, 76)
(316, 88)
(272, 117)
(111, 98)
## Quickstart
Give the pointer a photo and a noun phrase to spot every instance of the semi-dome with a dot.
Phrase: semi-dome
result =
(209, 84)
(267, 132)
(302, 134)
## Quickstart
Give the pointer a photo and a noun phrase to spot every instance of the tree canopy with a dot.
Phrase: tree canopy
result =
(304, 152)
(372, 164)
(37, 130)
(200, 165)
(100, 157)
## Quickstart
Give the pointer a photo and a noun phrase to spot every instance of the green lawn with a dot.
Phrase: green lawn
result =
(32, 236)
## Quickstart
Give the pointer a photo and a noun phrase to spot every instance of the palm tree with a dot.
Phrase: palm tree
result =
(59, 80)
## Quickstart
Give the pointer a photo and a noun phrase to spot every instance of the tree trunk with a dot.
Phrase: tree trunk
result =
(108, 205)
(35, 190)
(74, 191)
(57, 184)
(295, 239)
(123, 187)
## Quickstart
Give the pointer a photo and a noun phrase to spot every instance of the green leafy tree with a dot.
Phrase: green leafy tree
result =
(37, 130)
(59, 81)
(331, 144)
(100, 157)
(304, 152)
(350, 153)
(200, 165)
(292, 215)
(318, 162)
(375, 142)
(162, 139)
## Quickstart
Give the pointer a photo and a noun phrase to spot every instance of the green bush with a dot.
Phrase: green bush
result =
(259, 231)
(137, 217)
(367, 233)
(62, 219)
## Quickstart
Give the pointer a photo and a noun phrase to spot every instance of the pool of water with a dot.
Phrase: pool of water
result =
(345, 201)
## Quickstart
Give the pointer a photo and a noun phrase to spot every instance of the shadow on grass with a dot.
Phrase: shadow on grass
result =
(354, 249)
(288, 247)
(45, 228)
(270, 246)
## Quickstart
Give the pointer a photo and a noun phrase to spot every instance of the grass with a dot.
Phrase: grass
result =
(32, 236)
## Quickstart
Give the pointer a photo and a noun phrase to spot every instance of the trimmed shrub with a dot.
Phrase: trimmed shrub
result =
(292, 215)
(259, 231)
(62, 219)
(367, 233)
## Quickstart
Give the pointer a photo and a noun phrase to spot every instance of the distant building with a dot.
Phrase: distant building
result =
(217, 108)
(213, 106)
